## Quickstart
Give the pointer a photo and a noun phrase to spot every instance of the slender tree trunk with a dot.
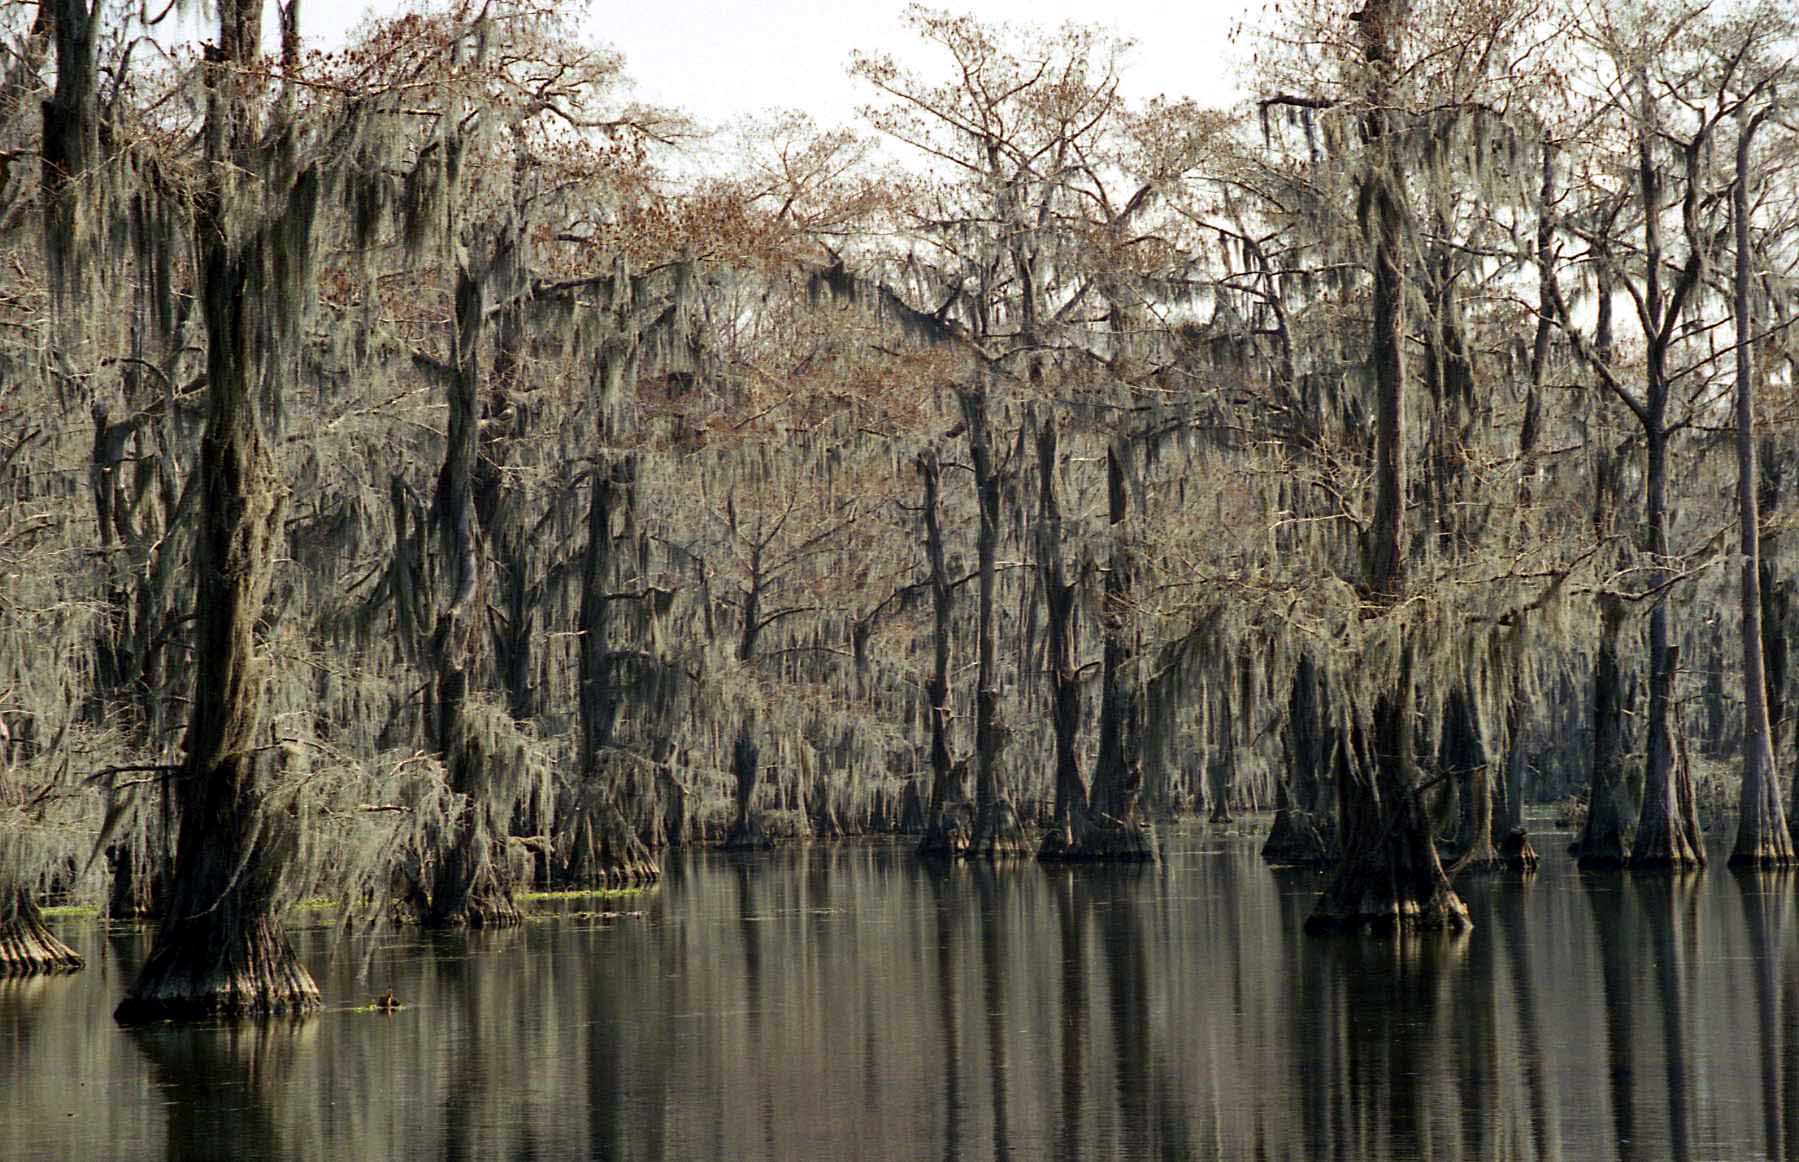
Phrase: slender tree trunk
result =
(1762, 837)
(943, 834)
(1065, 690)
(1667, 826)
(472, 880)
(220, 950)
(996, 830)
(1667, 831)
(1510, 787)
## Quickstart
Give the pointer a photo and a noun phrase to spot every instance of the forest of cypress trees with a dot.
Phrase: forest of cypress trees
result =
(424, 479)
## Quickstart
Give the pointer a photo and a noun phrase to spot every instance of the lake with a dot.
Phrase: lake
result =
(848, 1002)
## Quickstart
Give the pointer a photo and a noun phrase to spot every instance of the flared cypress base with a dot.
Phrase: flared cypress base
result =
(215, 967)
(1094, 843)
(27, 947)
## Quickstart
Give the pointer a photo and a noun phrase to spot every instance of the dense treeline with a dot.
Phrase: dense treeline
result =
(421, 481)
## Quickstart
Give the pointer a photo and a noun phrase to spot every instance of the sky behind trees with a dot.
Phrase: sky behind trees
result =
(710, 58)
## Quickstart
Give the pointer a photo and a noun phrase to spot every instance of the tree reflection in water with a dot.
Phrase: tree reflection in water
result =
(849, 1001)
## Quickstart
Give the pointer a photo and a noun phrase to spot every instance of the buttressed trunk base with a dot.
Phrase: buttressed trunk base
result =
(27, 947)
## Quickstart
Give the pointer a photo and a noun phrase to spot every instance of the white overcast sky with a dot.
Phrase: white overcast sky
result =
(720, 59)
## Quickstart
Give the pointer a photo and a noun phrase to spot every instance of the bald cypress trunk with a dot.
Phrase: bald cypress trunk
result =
(471, 881)
(1389, 875)
(1112, 829)
(996, 830)
(220, 950)
(610, 847)
(28, 947)
(944, 833)
(71, 150)
(1601, 843)
(1300, 832)
(1667, 826)
(1762, 836)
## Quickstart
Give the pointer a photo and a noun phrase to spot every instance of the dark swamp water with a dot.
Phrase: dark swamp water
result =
(847, 1002)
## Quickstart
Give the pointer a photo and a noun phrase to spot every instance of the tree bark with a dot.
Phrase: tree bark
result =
(746, 833)
(617, 854)
(472, 879)
(996, 831)
(1667, 828)
(1762, 836)
(1065, 690)
(1601, 842)
(28, 947)
(1300, 833)
(219, 950)
(1389, 875)
(944, 833)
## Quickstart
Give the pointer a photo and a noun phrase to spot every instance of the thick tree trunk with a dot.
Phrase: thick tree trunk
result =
(746, 832)
(71, 151)
(219, 950)
(1301, 832)
(1464, 750)
(26, 945)
(1389, 876)
(1111, 828)
(1601, 843)
(615, 852)
(1762, 836)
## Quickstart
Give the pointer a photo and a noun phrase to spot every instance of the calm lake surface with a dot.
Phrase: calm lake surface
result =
(848, 1002)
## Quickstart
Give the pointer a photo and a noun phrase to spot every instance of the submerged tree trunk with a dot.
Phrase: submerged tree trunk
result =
(1762, 836)
(1389, 878)
(220, 950)
(1667, 826)
(1464, 747)
(610, 797)
(1601, 843)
